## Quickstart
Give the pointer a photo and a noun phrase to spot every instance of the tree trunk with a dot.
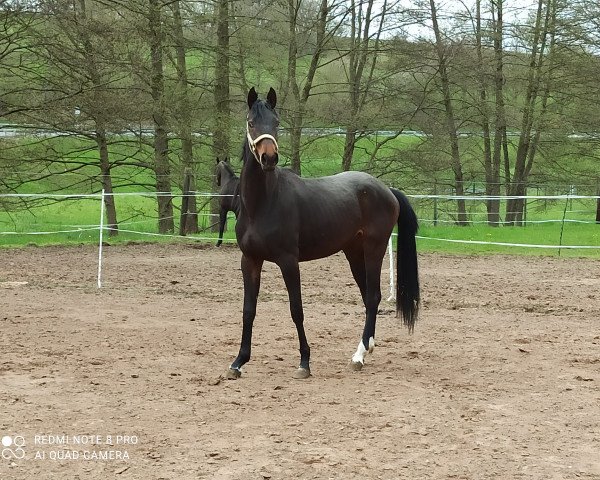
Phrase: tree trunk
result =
(99, 118)
(297, 106)
(295, 133)
(349, 144)
(360, 52)
(294, 106)
(527, 142)
(162, 168)
(355, 60)
(109, 199)
(185, 126)
(222, 91)
(242, 48)
(450, 120)
(492, 154)
(221, 95)
(500, 148)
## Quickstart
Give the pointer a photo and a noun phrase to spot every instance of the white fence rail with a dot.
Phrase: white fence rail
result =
(101, 226)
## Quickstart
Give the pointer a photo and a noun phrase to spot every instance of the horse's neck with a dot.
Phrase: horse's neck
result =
(255, 186)
(226, 175)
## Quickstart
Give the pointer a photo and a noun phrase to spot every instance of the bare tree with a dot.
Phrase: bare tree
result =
(491, 111)
(449, 113)
(162, 167)
(222, 89)
(500, 146)
(295, 95)
(95, 76)
(535, 105)
(189, 214)
(364, 45)
(76, 48)
(15, 26)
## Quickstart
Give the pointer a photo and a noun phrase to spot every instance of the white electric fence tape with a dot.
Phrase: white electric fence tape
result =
(101, 227)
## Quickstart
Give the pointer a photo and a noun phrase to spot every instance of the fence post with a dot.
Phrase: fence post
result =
(185, 203)
(100, 244)
(562, 225)
(598, 204)
(435, 205)
(391, 255)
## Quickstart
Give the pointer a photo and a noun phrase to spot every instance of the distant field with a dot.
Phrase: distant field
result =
(77, 220)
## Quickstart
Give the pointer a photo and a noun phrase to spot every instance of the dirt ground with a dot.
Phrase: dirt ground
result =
(501, 378)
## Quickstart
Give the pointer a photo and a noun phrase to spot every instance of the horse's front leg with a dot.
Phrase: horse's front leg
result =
(251, 269)
(291, 275)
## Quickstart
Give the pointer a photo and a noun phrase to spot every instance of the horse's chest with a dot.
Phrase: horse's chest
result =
(261, 237)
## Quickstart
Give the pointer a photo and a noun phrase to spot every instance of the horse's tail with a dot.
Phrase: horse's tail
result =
(407, 283)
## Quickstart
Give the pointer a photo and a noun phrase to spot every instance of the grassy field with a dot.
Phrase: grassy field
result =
(77, 220)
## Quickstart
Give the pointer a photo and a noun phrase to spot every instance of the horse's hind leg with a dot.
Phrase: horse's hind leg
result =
(355, 255)
(251, 270)
(373, 254)
(356, 258)
(222, 222)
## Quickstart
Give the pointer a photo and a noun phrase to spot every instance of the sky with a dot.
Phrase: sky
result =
(514, 12)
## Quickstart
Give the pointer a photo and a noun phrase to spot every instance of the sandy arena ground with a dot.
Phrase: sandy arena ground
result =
(501, 379)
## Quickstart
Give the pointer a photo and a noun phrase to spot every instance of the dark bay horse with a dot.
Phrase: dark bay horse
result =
(229, 200)
(287, 219)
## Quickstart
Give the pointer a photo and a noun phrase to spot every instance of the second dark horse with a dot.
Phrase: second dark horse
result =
(229, 200)
(287, 219)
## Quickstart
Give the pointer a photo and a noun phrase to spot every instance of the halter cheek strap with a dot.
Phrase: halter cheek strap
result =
(254, 142)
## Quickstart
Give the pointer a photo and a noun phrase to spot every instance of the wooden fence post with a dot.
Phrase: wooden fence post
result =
(185, 202)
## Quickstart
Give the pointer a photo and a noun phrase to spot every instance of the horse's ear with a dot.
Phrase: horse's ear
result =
(226, 159)
(217, 160)
(272, 98)
(252, 97)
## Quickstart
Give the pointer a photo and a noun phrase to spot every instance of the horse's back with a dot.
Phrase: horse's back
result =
(354, 191)
(229, 193)
(335, 210)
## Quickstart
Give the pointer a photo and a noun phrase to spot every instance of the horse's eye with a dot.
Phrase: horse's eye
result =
(251, 124)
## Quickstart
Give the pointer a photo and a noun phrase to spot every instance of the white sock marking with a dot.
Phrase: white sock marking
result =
(361, 351)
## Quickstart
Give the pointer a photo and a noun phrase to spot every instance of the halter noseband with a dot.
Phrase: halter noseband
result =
(252, 143)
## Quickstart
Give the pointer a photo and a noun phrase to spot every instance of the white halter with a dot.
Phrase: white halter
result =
(252, 143)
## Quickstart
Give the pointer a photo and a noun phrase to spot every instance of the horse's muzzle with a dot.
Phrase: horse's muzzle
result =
(268, 162)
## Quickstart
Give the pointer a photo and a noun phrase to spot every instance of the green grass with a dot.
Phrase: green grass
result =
(77, 221)
(540, 234)
(79, 218)
(543, 226)
(138, 214)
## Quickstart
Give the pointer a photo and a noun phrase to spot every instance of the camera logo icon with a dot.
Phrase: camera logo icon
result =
(12, 447)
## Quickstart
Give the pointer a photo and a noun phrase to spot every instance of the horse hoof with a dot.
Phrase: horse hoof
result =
(233, 374)
(356, 366)
(301, 373)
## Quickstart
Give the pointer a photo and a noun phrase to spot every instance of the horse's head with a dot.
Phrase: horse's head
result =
(261, 129)
(223, 168)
